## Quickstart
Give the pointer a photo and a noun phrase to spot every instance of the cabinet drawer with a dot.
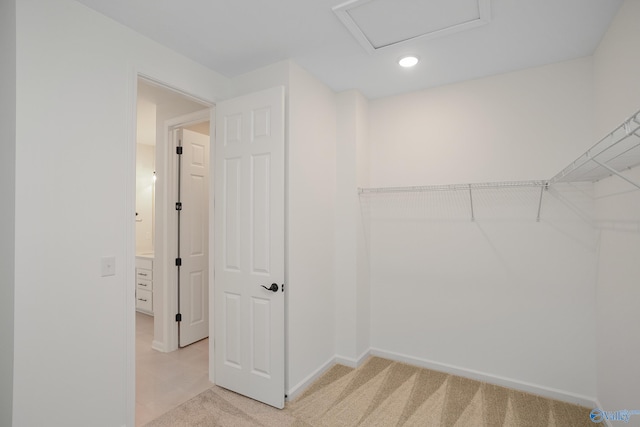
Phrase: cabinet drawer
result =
(143, 273)
(144, 300)
(144, 263)
(144, 284)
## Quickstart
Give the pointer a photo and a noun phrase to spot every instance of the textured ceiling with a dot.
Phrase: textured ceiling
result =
(233, 37)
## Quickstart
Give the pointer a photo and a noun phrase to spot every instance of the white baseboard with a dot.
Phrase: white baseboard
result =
(353, 363)
(159, 346)
(551, 393)
(589, 402)
(294, 391)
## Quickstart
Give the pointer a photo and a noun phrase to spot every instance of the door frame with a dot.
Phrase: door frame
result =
(129, 391)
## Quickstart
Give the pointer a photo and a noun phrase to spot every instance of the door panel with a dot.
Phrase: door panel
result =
(261, 351)
(194, 232)
(231, 332)
(231, 217)
(260, 227)
(196, 283)
(249, 235)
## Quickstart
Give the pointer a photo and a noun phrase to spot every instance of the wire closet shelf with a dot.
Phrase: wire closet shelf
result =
(454, 187)
(469, 188)
(612, 155)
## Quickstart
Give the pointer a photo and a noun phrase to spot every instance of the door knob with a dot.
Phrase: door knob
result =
(272, 288)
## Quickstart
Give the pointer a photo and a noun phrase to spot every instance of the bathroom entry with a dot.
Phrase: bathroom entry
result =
(192, 252)
(162, 113)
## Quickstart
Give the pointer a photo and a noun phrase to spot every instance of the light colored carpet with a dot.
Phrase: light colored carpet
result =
(382, 393)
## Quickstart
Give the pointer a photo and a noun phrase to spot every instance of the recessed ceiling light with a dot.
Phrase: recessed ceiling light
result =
(408, 61)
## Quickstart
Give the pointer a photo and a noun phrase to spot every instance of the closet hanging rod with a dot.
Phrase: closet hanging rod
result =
(455, 187)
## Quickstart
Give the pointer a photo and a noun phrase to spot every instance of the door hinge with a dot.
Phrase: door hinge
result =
(179, 150)
(178, 206)
(178, 317)
(178, 262)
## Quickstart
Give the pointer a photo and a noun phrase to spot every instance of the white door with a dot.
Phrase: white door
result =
(249, 246)
(194, 238)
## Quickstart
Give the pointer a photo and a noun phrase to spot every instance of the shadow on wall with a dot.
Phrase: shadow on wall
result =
(566, 207)
(504, 284)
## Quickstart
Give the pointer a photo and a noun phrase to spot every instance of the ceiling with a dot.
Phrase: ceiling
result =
(476, 38)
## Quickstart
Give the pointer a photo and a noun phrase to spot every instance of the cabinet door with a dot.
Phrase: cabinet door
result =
(144, 300)
(144, 284)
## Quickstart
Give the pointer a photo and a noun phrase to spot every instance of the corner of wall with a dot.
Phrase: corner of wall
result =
(616, 70)
(311, 195)
(277, 74)
(617, 97)
(7, 214)
(352, 271)
(363, 167)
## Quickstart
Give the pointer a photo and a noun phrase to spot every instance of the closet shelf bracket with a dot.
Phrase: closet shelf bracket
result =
(616, 173)
(473, 217)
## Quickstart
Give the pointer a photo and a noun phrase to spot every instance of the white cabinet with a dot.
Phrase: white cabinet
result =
(144, 285)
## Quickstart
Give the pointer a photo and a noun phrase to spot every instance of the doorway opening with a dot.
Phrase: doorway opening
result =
(166, 375)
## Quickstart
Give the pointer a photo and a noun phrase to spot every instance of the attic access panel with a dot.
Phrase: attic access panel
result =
(377, 24)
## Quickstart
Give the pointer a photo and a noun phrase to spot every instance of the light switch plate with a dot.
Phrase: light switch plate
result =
(108, 266)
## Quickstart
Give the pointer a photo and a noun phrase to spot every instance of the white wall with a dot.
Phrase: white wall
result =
(616, 71)
(145, 167)
(618, 293)
(264, 78)
(75, 204)
(517, 126)
(311, 226)
(617, 68)
(503, 298)
(346, 290)
(352, 269)
(7, 213)
(145, 121)
(363, 163)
